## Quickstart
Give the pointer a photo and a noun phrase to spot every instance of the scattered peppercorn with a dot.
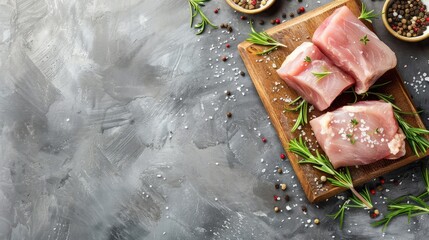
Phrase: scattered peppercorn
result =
(228, 45)
(216, 10)
(316, 221)
(284, 15)
(262, 22)
(264, 140)
(229, 114)
(229, 28)
(282, 156)
(291, 15)
(273, 21)
(283, 186)
(243, 17)
(276, 209)
(287, 198)
(396, 182)
(280, 170)
(224, 58)
(276, 186)
(300, 10)
(228, 93)
(304, 208)
(379, 187)
(374, 212)
(372, 191)
(382, 181)
(242, 73)
(278, 21)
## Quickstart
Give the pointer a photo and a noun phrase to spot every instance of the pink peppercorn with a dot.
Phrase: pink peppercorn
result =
(282, 156)
(277, 20)
(227, 45)
(264, 140)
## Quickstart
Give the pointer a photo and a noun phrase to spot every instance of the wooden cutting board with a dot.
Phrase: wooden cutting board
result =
(273, 92)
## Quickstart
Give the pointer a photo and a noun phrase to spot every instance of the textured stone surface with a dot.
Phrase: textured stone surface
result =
(113, 126)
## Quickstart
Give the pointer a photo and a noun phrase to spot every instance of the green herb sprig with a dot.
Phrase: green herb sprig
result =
(414, 136)
(195, 8)
(322, 163)
(364, 39)
(367, 15)
(302, 109)
(320, 75)
(352, 202)
(262, 38)
(407, 205)
(307, 59)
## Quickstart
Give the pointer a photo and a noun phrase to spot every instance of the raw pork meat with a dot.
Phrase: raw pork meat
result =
(299, 75)
(339, 37)
(359, 134)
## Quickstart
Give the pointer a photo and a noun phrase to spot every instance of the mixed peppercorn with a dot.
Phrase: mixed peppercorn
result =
(251, 4)
(408, 18)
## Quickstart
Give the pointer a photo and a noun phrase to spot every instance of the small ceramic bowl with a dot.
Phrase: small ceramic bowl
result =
(235, 6)
(407, 39)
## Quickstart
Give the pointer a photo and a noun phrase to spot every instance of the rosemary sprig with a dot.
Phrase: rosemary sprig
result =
(367, 15)
(340, 213)
(320, 75)
(352, 202)
(364, 39)
(406, 205)
(195, 7)
(302, 110)
(262, 38)
(322, 163)
(307, 59)
(414, 136)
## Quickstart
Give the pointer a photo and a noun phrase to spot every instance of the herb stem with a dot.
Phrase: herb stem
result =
(195, 8)
(262, 38)
(302, 108)
(358, 195)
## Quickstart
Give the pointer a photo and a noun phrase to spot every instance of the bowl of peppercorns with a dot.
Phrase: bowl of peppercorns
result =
(250, 6)
(407, 20)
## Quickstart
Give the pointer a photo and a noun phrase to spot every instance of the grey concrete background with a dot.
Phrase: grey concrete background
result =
(113, 126)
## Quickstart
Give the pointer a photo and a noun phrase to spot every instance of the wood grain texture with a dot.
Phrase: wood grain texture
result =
(273, 91)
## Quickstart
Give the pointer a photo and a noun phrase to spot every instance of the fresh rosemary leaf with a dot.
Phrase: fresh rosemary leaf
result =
(262, 38)
(302, 110)
(352, 202)
(407, 205)
(195, 8)
(307, 59)
(364, 39)
(320, 75)
(340, 213)
(367, 15)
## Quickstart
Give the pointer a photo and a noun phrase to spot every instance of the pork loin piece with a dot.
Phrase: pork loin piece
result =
(339, 37)
(299, 69)
(359, 134)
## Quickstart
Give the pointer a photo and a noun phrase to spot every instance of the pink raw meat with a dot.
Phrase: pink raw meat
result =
(339, 37)
(298, 74)
(359, 134)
